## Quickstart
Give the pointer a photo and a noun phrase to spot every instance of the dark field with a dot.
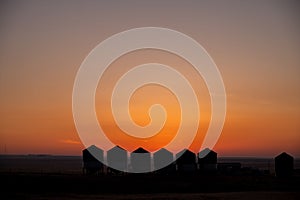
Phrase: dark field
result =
(56, 177)
(59, 186)
(179, 196)
(73, 164)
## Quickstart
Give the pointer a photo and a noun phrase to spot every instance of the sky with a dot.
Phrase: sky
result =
(255, 45)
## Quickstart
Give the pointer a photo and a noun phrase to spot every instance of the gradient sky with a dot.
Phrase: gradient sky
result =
(255, 44)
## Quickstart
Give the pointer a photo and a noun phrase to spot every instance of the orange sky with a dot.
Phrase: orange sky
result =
(255, 45)
(148, 95)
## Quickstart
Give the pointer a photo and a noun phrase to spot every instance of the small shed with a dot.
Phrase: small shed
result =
(140, 161)
(284, 165)
(92, 160)
(229, 167)
(117, 160)
(207, 160)
(160, 159)
(186, 161)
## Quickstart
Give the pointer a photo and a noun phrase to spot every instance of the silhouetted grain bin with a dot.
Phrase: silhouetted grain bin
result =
(160, 158)
(117, 159)
(186, 162)
(207, 160)
(284, 165)
(140, 161)
(92, 160)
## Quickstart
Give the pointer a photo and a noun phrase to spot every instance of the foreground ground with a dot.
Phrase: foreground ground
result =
(62, 186)
(175, 196)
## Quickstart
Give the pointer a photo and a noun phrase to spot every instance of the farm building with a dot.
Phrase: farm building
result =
(92, 160)
(284, 165)
(117, 160)
(140, 161)
(160, 159)
(229, 167)
(186, 162)
(207, 160)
